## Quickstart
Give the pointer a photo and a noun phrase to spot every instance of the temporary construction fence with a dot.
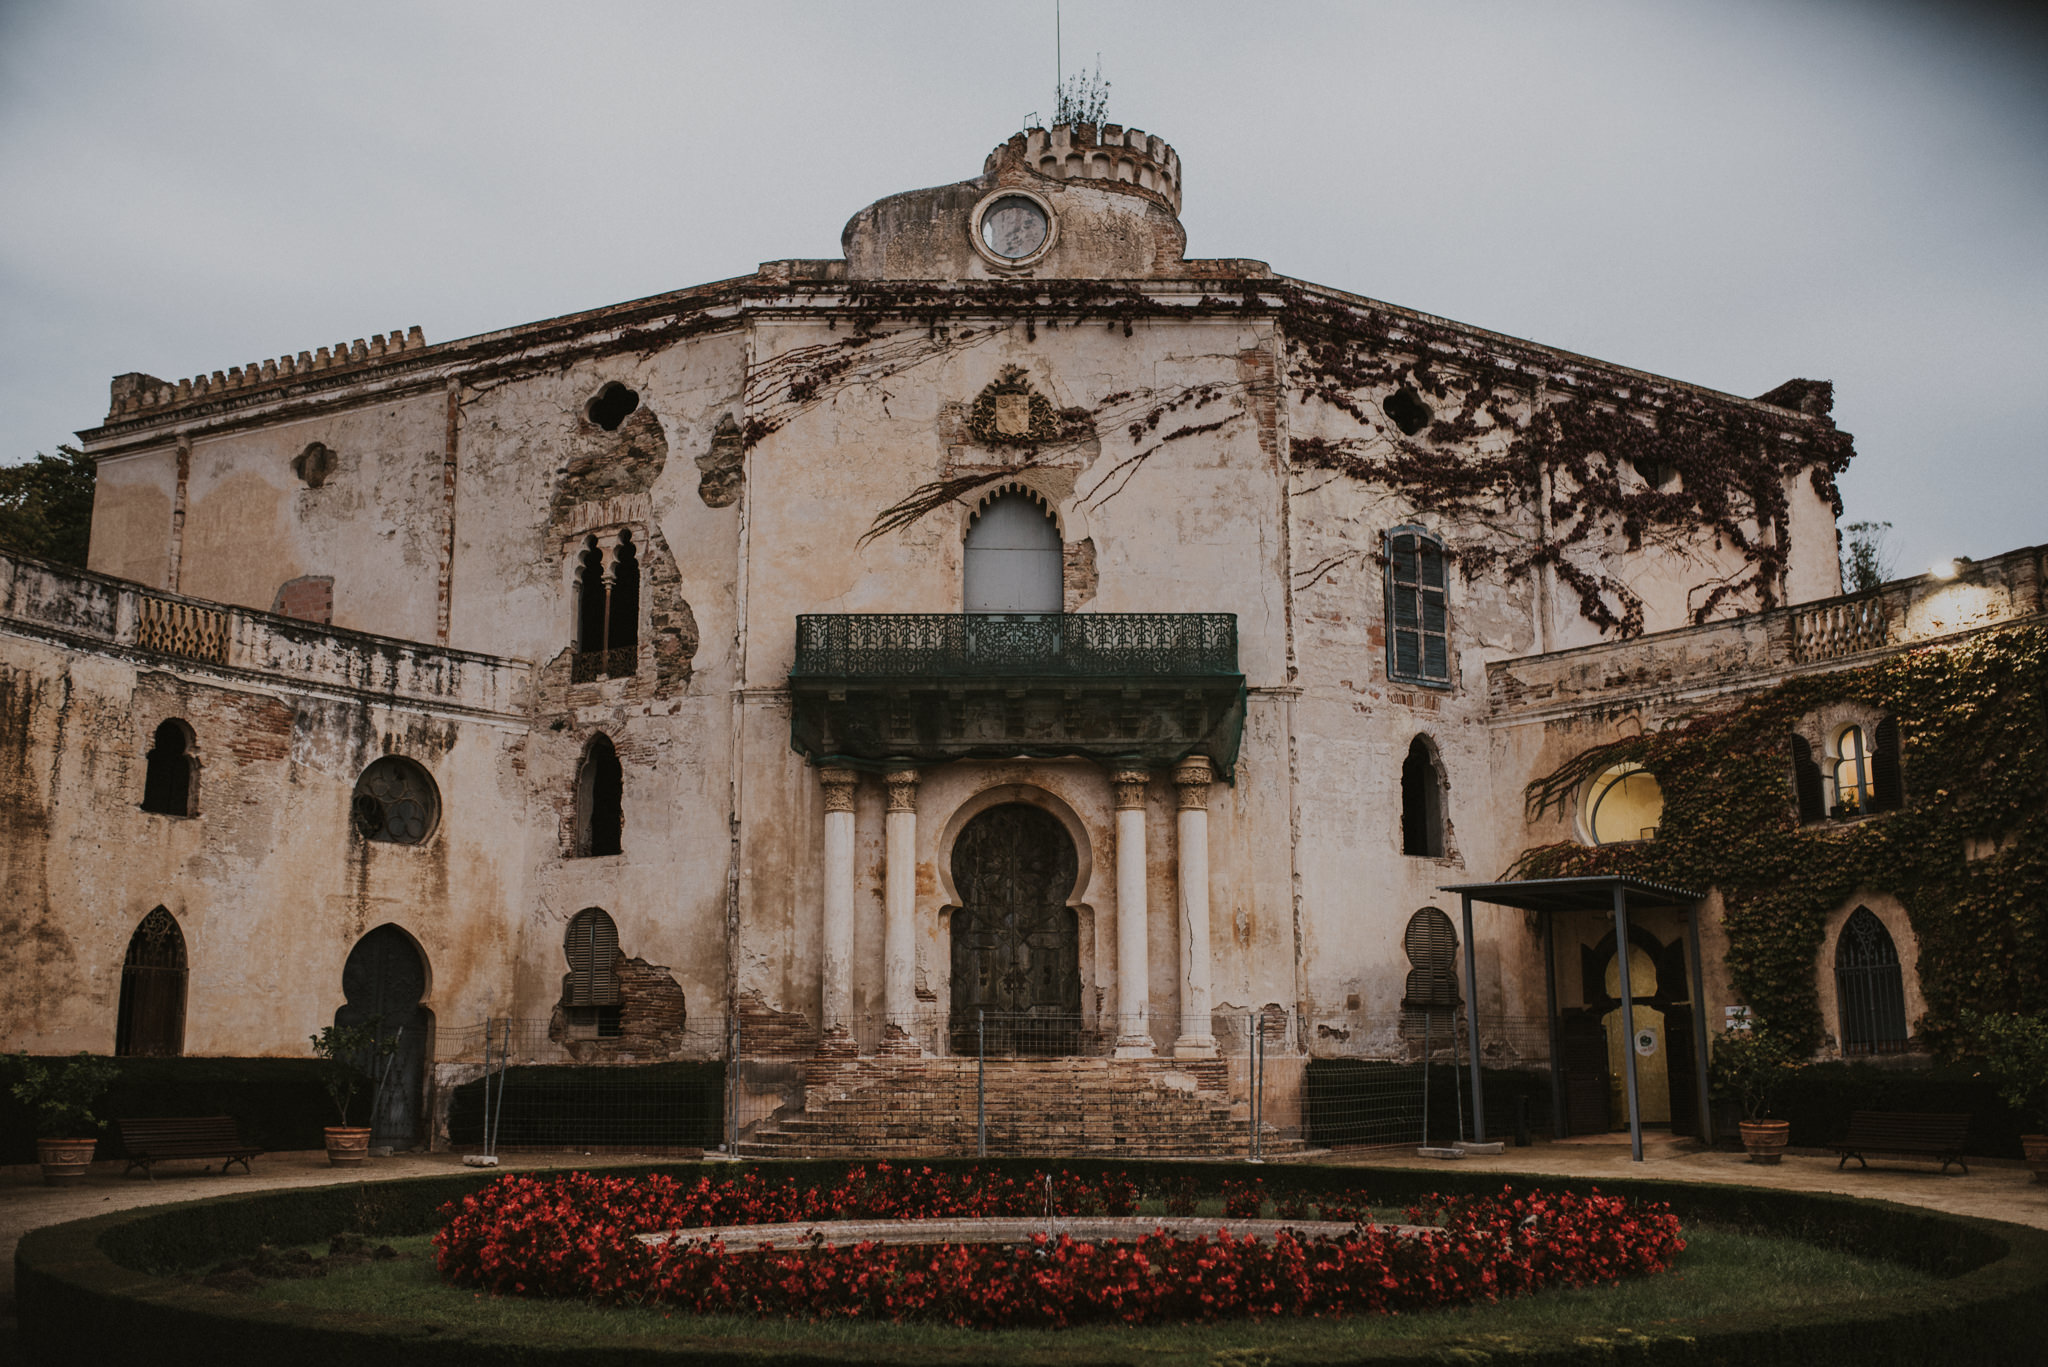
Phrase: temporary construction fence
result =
(983, 1083)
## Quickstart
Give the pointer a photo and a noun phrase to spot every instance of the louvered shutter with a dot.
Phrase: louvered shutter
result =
(593, 950)
(1806, 782)
(1887, 793)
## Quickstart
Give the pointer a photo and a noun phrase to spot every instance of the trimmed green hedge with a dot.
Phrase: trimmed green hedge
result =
(277, 1103)
(95, 1291)
(679, 1103)
(1820, 1097)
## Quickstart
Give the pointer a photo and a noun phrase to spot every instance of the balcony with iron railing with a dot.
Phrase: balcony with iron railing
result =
(879, 688)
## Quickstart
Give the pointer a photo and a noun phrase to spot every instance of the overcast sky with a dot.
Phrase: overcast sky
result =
(1730, 193)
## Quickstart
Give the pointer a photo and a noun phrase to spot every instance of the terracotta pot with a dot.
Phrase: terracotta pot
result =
(347, 1145)
(1766, 1139)
(2035, 1146)
(64, 1160)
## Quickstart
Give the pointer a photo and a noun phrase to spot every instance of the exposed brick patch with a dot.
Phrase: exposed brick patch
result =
(766, 1033)
(652, 1015)
(310, 598)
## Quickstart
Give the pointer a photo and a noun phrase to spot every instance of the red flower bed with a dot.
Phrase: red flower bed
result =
(575, 1236)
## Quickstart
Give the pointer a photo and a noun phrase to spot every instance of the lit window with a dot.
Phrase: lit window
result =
(1624, 803)
(1418, 614)
(1853, 786)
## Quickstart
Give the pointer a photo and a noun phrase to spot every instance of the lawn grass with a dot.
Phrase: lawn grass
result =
(1720, 1272)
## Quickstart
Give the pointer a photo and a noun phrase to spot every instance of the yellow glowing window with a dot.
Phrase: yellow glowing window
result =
(1853, 786)
(1626, 804)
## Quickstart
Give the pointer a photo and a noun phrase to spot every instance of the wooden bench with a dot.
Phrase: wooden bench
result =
(213, 1136)
(1904, 1134)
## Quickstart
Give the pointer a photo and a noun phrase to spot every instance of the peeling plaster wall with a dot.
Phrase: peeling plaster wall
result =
(132, 499)
(251, 524)
(269, 884)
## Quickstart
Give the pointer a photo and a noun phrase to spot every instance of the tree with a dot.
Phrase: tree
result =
(1866, 557)
(46, 506)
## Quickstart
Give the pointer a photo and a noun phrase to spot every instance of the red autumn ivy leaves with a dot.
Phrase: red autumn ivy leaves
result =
(576, 1236)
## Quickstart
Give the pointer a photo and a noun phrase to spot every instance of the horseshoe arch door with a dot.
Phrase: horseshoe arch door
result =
(383, 980)
(1016, 943)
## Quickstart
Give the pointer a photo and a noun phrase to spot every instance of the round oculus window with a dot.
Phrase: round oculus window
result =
(1014, 227)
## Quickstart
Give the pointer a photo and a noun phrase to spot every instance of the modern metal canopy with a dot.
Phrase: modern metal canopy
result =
(1614, 893)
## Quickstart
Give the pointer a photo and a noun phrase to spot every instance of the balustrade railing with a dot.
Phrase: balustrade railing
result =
(936, 645)
(1824, 631)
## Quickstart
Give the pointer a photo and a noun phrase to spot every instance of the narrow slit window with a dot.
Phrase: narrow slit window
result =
(167, 773)
(1418, 609)
(600, 800)
(1422, 803)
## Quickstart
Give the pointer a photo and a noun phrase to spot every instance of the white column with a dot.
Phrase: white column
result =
(1193, 776)
(1133, 960)
(836, 940)
(899, 914)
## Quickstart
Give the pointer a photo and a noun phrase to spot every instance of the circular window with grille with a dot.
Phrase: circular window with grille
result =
(396, 802)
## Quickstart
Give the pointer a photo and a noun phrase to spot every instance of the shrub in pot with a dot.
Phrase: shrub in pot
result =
(2015, 1050)
(347, 1051)
(61, 1096)
(1749, 1065)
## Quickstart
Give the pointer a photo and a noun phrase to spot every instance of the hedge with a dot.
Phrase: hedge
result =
(92, 1291)
(680, 1104)
(277, 1103)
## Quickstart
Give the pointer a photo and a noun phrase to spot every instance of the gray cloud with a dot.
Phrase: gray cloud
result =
(1731, 193)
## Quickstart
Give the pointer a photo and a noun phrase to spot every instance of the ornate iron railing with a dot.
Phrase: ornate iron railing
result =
(938, 644)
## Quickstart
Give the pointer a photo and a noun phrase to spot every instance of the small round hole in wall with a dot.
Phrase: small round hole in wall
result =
(1408, 411)
(613, 405)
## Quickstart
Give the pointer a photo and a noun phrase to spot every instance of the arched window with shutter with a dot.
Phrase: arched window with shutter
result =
(1869, 987)
(591, 996)
(152, 1012)
(1430, 1001)
(168, 770)
(1418, 608)
(600, 799)
(1422, 802)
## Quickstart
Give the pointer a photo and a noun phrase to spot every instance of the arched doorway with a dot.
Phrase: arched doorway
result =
(1594, 1042)
(152, 1011)
(1016, 942)
(382, 982)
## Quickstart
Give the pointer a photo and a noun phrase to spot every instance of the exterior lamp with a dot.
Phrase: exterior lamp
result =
(1944, 569)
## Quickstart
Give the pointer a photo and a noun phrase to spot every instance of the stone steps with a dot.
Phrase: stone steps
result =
(887, 1107)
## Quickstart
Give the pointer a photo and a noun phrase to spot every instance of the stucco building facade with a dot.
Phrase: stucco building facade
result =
(1010, 616)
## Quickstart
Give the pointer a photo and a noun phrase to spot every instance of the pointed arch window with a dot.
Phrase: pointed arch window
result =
(591, 995)
(1430, 1001)
(1014, 560)
(1422, 802)
(600, 799)
(168, 770)
(607, 593)
(1870, 987)
(151, 1021)
(1418, 608)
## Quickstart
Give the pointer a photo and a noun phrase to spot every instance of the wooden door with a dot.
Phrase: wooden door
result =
(1016, 943)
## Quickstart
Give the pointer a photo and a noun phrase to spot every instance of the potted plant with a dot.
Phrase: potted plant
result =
(1749, 1066)
(346, 1050)
(2016, 1055)
(62, 1096)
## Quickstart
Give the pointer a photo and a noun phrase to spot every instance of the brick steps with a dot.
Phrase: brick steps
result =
(923, 1107)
